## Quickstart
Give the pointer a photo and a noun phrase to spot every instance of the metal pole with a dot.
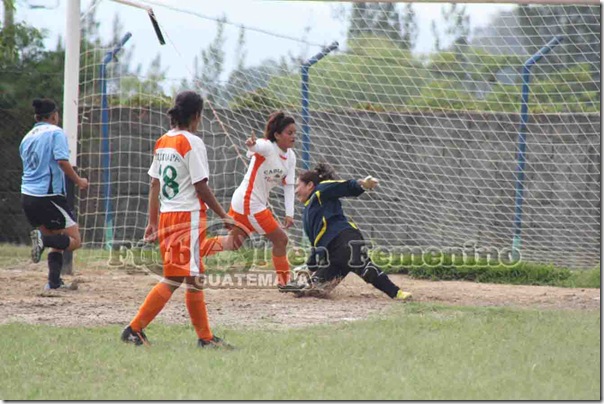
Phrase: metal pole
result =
(105, 145)
(305, 103)
(71, 78)
(526, 77)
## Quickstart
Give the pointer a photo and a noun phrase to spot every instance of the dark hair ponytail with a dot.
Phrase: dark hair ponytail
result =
(186, 106)
(43, 108)
(322, 172)
(277, 122)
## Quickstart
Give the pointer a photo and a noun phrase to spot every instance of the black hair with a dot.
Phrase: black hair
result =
(187, 105)
(277, 122)
(43, 108)
(322, 172)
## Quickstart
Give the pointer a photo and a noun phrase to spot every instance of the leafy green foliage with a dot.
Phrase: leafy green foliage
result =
(27, 70)
(375, 74)
(484, 268)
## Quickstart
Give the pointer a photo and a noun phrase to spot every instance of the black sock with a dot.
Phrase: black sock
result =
(373, 275)
(384, 284)
(58, 241)
(55, 263)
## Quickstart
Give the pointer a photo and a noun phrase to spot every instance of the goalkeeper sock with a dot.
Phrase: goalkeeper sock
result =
(153, 304)
(196, 306)
(282, 268)
(55, 263)
(58, 241)
(211, 246)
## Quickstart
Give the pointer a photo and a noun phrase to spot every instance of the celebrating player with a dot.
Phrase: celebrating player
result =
(45, 155)
(179, 190)
(337, 243)
(273, 162)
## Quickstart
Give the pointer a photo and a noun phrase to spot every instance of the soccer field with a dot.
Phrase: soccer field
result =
(413, 352)
(458, 340)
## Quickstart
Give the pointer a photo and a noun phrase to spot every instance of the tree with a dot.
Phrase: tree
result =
(359, 21)
(208, 76)
(237, 78)
(383, 20)
(409, 28)
(125, 56)
(28, 70)
(8, 28)
(386, 22)
(457, 24)
(436, 36)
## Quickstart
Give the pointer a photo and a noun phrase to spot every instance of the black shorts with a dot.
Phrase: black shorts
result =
(51, 212)
(342, 258)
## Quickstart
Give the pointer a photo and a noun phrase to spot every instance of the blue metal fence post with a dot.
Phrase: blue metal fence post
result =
(305, 102)
(521, 159)
(105, 145)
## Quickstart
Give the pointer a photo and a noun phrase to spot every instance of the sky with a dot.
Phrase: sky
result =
(189, 31)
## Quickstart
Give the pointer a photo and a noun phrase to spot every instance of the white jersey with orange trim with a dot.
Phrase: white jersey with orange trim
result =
(269, 166)
(179, 160)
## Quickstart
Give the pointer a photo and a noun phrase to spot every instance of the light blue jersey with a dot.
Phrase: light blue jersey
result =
(40, 151)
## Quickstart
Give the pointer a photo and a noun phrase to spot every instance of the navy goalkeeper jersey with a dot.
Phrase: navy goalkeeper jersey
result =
(323, 217)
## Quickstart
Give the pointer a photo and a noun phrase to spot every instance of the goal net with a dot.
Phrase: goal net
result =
(425, 97)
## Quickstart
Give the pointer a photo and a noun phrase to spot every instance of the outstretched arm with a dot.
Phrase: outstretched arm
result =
(338, 189)
(343, 188)
(260, 146)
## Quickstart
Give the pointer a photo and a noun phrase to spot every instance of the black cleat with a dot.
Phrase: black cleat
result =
(136, 338)
(293, 286)
(215, 343)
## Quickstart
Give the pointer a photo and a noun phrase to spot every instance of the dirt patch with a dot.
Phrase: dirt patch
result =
(108, 296)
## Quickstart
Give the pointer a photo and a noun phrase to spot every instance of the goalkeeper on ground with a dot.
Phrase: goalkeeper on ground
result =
(338, 245)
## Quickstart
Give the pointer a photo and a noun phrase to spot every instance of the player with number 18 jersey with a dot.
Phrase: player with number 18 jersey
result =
(179, 161)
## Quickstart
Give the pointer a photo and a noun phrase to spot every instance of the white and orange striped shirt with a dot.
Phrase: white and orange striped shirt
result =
(269, 166)
(179, 160)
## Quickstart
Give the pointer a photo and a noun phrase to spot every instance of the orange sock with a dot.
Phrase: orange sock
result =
(196, 305)
(155, 301)
(282, 268)
(211, 246)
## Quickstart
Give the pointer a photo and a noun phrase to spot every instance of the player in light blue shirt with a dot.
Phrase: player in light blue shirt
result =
(45, 155)
(41, 150)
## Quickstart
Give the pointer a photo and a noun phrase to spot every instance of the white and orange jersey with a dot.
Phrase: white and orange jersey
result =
(179, 161)
(269, 166)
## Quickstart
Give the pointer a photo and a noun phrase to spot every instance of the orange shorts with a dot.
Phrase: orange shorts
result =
(262, 222)
(180, 237)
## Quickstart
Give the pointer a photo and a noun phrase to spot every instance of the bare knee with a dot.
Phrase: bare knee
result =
(238, 242)
(75, 240)
(280, 243)
(74, 243)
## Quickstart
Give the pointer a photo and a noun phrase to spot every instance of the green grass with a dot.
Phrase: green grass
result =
(590, 278)
(444, 266)
(417, 352)
(524, 273)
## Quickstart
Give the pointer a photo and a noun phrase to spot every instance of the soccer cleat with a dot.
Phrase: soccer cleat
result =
(132, 337)
(37, 246)
(215, 342)
(404, 296)
(292, 286)
(72, 286)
